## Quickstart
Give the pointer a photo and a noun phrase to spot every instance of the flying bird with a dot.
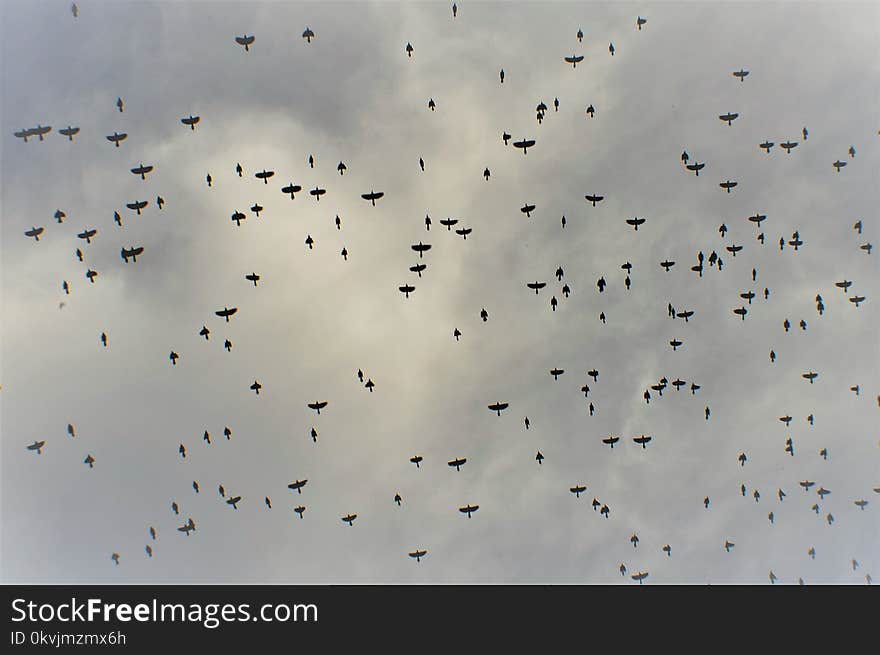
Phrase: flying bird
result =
(498, 407)
(35, 233)
(69, 132)
(245, 40)
(190, 121)
(226, 312)
(372, 196)
(317, 405)
(38, 446)
(117, 138)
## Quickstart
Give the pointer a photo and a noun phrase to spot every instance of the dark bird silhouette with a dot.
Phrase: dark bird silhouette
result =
(264, 175)
(317, 405)
(190, 121)
(457, 463)
(245, 40)
(468, 509)
(372, 196)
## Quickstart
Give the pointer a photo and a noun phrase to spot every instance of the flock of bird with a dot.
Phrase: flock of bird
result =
(702, 264)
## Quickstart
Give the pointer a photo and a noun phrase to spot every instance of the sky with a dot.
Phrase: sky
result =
(353, 95)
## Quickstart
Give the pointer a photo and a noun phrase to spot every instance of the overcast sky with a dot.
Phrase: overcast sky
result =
(353, 95)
